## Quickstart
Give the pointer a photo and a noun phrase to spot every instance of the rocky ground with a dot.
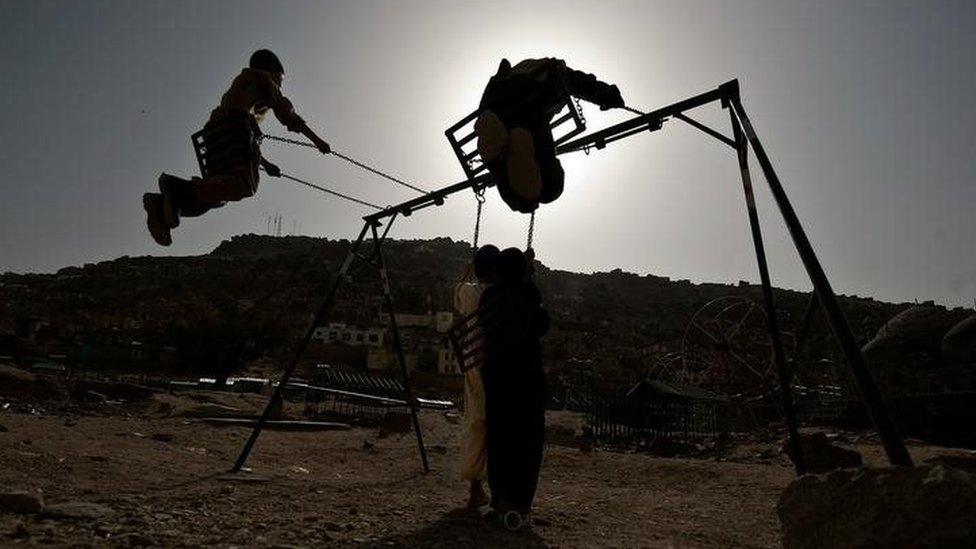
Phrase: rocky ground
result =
(149, 475)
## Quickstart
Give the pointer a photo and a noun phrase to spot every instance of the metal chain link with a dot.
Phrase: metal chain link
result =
(347, 159)
(329, 191)
(480, 197)
(528, 244)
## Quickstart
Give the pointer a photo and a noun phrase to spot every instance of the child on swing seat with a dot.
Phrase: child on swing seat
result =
(514, 136)
(234, 173)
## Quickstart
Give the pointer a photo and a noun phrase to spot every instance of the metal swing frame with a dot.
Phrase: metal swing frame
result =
(743, 136)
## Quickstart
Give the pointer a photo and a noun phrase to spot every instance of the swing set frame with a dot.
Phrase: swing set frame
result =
(743, 137)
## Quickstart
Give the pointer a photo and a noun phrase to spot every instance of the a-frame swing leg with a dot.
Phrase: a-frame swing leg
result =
(276, 396)
(772, 323)
(397, 343)
(873, 401)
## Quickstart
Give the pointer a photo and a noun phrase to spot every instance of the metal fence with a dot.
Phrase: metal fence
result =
(619, 420)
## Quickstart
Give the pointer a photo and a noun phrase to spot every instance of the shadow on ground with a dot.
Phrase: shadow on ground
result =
(462, 528)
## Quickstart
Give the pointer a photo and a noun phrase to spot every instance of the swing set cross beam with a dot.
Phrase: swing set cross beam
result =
(744, 137)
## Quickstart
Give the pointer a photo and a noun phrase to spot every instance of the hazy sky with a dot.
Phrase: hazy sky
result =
(868, 110)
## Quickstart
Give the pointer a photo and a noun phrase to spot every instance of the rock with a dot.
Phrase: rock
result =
(452, 417)
(20, 502)
(331, 526)
(820, 456)
(368, 446)
(77, 510)
(959, 343)
(928, 507)
(20, 531)
(965, 462)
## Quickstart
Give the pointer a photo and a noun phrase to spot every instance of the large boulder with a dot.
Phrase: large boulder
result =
(909, 342)
(822, 456)
(931, 506)
(959, 343)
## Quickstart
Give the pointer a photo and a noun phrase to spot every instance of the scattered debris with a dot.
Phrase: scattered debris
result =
(3, 429)
(298, 469)
(277, 425)
(929, 506)
(452, 417)
(368, 446)
(163, 437)
(20, 502)
(821, 456)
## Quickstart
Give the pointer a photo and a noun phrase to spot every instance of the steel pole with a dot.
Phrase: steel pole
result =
(276, 395)
(866, 384)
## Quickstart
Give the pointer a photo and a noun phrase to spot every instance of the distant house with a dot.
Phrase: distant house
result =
(341, 333)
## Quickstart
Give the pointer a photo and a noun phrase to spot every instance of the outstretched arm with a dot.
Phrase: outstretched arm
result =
(285, 113)
(323, 147)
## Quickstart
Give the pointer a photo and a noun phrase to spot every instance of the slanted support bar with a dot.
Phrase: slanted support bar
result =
(276, 395)
(772, 322)
(376, 260)
(698, 125)
(866, 384)
(397, 343)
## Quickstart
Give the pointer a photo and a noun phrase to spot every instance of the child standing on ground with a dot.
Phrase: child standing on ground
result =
(467, 295)
(515, 388)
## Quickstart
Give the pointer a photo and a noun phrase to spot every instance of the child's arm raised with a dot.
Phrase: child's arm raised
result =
(285, 113)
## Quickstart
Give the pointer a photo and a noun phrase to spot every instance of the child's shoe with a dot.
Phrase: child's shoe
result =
(492, 136)
(524, 176)
(153, 204)
(174, 191)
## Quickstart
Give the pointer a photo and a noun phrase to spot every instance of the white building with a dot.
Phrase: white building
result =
(339, 332)
(441, 321)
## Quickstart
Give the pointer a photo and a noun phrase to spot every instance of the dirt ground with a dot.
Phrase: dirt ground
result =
(161, 479)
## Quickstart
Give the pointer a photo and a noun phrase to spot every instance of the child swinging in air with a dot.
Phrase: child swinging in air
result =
(514, 136)
(233, 156)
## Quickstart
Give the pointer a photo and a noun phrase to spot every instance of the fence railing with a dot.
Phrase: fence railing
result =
(620, 420)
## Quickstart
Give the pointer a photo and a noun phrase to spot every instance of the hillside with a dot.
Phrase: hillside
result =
(619, 323)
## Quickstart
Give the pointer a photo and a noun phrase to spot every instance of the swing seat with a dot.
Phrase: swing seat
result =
(228, 144)
(463, 139)
(469, 334)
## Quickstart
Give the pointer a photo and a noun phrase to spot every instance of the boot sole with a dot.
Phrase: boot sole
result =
(157, 229)
(492, 136)
(524, 175)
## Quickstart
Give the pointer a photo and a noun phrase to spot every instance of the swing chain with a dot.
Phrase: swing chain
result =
(479, 196)
(579, 110)
(262, 136)
(528, 244)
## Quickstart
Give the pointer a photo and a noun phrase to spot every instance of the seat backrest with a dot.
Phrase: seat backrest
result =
(464, 142)
(227, 143)
(498, 320)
